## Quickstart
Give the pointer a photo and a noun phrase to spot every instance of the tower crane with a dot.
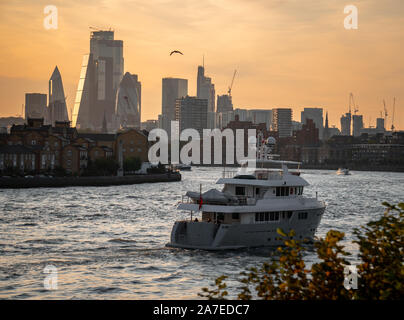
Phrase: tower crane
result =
(355, 107)
(385, 112)
(232, 81)
(392, 119)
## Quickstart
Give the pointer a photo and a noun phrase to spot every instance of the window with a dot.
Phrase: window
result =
(257, 191)
(302, 215)
(274, 216)
(240, 191)
(235, 216)
(282, 191)
(266, 216)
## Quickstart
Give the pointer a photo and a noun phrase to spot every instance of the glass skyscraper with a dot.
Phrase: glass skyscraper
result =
(101, 74)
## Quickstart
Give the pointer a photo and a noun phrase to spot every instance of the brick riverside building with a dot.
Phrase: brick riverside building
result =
(35, 148)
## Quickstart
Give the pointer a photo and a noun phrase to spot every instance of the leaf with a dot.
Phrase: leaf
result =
(280, 231)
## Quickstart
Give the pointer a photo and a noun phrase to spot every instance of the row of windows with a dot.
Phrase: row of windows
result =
(274, 216)
(286, 191)
(267, 216)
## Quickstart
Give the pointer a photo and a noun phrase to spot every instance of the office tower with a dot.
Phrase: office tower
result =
(109, 55)
(346, 124)
(357, 125)
(224, 103)
(172, 89)
(205, 89)
(315, 114)
(213, 120)
(57, 109)
(282, 121)
(258, 116)
(101, 74)
(84, 105)
(128, 104)
(380, 124)
(296, 125)
(35, 105)
(326, 132)
(192, 112)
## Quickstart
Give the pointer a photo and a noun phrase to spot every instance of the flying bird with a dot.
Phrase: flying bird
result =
(176, 51)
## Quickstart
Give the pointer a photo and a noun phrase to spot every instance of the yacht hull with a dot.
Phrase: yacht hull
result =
(212, 236)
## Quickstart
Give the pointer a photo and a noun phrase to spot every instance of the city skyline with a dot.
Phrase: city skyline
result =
(284, 58)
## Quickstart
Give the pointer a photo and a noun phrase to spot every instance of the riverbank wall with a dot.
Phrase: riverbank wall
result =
(59, 182)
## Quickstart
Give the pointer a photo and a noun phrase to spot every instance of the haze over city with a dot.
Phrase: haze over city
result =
(287, 53)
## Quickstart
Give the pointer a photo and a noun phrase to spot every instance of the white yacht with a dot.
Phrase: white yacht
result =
(343, 172)
(248, 211)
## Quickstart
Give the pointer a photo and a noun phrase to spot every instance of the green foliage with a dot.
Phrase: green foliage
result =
(381, 272)
(381, 245)
(132, 164)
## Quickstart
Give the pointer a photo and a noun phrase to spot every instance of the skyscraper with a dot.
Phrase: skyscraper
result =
(172, 89)
(315, 114)
(357, 125)
(224, 103)
(380, 124)
(192, 112)
(346, 124)
(326, 132)
(128, 105)
(282, 121)
(57, 109)
(35, 105)
(258, 116)
(205, 89)
(101, 74)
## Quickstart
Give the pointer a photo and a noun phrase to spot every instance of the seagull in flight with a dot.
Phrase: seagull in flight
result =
(176, 51)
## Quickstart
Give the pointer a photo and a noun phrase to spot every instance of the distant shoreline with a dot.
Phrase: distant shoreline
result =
(335, 167)
(60, 182)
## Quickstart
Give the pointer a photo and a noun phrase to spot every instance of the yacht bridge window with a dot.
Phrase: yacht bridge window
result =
(240, 191)
(266, 216)
(286, 191)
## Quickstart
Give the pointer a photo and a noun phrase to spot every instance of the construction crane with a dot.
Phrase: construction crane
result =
(392, 119)
(355, 107)
(232, 81)
(385, 112)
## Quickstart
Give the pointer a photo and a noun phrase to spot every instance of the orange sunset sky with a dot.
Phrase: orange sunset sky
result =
(288, 53)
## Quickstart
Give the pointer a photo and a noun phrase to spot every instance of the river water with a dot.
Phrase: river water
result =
(109, 242)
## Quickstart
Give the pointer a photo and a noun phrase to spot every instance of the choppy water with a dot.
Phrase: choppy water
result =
(109, 242)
